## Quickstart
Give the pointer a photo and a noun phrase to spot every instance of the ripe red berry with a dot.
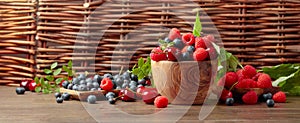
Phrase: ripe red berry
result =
(174, 33)
(199, 43)
(250, 98)
(249, 71)
(161, 102)
(200, 54)
(212, 53)
(245, 83)
(225, 94)
(126, 95)
(32, 85)
(256, 76)
(171, 53)
(279, 97)
(188, 38)
(264, 81)
(231, 78)
(106, 84)
(157, 54)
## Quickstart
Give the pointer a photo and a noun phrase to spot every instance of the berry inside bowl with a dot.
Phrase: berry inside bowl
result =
(185, 82)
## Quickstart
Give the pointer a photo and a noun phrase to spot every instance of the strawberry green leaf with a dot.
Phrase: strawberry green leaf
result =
(54, 65)
(197, 26)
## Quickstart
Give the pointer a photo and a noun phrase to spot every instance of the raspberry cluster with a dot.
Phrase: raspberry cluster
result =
(246, 78)
(186, 47)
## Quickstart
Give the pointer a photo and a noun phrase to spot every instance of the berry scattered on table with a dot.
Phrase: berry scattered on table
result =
(161, 102)
(229, 101)
(59, 100)
(57, 94)
(32, 85)
(250, 98)
(267, 96)
(20, 90)
(225, 94)
(149, 95)
(106, 84)
(91, 99)
(270, 103)
(279, 97)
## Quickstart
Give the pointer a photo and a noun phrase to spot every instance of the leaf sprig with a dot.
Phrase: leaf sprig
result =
(49, 84)
(142, 69)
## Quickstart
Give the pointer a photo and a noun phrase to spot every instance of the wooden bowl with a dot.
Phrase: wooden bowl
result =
(185, 82)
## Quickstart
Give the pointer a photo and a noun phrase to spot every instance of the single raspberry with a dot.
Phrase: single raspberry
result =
(250, 98)
(174, 33)
(249, 71)
(225, 94)
(171, 53)
(200, 54)
(106, 84)
(264, 81)
(256, 76)
(279, 97)
(245, 83)
(240, 75)
(199, 43)
(188, 38)
(157, 54)
(161, 102)
(231, 78)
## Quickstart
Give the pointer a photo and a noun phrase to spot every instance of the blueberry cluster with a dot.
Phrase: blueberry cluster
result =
(61, 97)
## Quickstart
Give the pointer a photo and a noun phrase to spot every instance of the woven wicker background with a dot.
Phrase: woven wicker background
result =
(258, 32)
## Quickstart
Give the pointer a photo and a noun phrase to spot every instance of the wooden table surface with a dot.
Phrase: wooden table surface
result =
(40, 108)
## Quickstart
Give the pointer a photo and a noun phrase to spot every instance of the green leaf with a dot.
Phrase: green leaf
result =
(140, 76)
(38, 89)
(56, 72)
(140, 62)
(47, 71)
(65, 68)
(281, 70)
(45, 91)
(58, 80)
(50, 77)
(282, 79)
(70, 64)
(36, 80)
(42, 81)
(218, 50)
(135, 71)
(54, 65)
(197, 26)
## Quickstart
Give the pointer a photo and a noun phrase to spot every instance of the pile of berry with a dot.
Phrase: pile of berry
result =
(130, 88)
(186, 47)
(26, 85)
(248, 77)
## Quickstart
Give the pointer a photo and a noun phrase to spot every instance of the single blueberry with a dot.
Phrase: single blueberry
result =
(229, 101)
(66, 96)
(57, 94)
(270, 103)
(92, 99)
(59, 100)
(178, 43)
(20, 90)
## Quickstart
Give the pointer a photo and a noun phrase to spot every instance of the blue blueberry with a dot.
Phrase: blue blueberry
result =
(270, 103)
(108, 75)
(126, 75)
(20, 90)
(167, 40)
(186, 56)
(110, 95)
(59, 100)
(229, 101)
(65, 84)
(92, 99)
(267, 96)
(142, 81)
(88, 80)
(97, 78)
(70, 86)
(93, 89)
(81, 76)
(178, 43)
(82, 82)
(89, 85)
(75, 81)
(82, 88)
(96, 85)
(57, 94)
(134, 77)
(190, 49)
(75, 87)
(66, 96)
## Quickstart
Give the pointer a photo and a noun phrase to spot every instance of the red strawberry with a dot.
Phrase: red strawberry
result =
(199, 43)
(279, 97)
(171, 53)
(200, 54)
(188, 38)
(225, 94)
(174, 33)
(161, 102)
(106, 84)
(264, 81)
(157, 54)
(250, 98)
(231, 78)
(249, 71)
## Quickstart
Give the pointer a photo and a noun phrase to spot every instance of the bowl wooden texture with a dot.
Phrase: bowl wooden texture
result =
(184, 82)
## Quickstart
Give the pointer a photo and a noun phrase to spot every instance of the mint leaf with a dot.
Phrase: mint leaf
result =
(281, 70)
(70, 64)
(141, 62)
(58, 80)
(54, 65)
(197, 26)
(47, 71)
(38, 89)
(49, 77)
(56, 72)
(36, 80)
(65, 68)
